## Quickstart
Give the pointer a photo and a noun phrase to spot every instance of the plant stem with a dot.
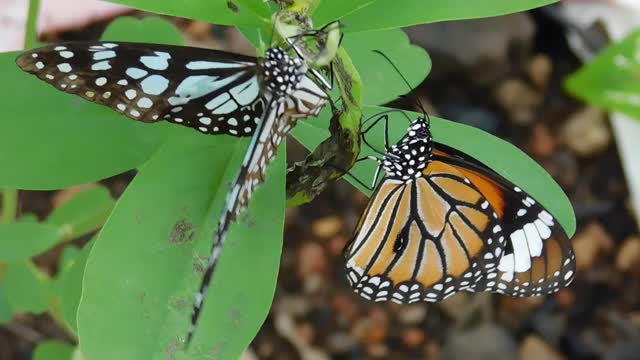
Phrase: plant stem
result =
(9, 206)
(31, 31)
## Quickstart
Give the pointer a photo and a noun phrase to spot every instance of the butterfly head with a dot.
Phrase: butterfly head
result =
(406, 159)
(281, 73)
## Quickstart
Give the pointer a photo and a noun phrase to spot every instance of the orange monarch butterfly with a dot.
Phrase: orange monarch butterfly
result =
(440, 222)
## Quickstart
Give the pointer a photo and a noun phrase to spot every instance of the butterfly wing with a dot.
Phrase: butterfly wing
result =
(277, 122)
(538, 257)
(424, 239)
(211, 91)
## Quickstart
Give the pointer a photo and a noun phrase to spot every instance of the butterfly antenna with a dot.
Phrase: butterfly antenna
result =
(418, 103)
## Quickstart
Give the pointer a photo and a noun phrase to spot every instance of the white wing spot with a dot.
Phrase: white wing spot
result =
(39, 65)
(205, 120)
(102, 55)
(121, 107)
(66, 54)
(136, 73)
(101, 81)
(130, 94)
(145, 103)
(154, 84)
(568, 275)
(203, 65)
(157, 62)
(123, 82)
(135, 113)
(102, 65)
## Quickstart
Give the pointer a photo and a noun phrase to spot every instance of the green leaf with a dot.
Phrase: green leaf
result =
(381, 81)
(6, 312)
(21, 241)
(53, 350)
(223, 12)
(144, 269)
(502, 157)
(27, 288)
(50, 139)
(69, 283)
(153, 30)
(612, 79)
(330, 10)
(389, 14)
(85, 212)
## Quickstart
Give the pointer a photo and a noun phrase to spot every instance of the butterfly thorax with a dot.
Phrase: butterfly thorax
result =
(281, 73)
(407, 159)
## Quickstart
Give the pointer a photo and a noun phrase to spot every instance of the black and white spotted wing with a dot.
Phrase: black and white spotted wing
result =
(292, 97)
(212, 91)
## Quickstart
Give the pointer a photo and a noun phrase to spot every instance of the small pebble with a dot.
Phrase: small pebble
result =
(563, 166)
(311, 259)
(534, 348)
(589, 243)
(539, 70)
(412, 314)
(373, 328)
(566, 298)
(413, 337)
(380, 351)
(337, 245)
(340, 342)
(345, 306)
(486, 341)
(518, 99)
(541, 143)
(455, 306)
(628, 258)
(586, 132)
(326, 227)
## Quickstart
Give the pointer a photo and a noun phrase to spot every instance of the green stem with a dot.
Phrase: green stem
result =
(31, 33)
(9, 206)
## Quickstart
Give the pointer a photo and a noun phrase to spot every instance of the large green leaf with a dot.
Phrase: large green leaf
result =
(330, 10)
(223, 12)
(85, 212)
(388, 14)
(612, 79)
(6, 312)
(22, 241)
(27, 288)
(51, 140)
(69, 283)
(53, 350)
(381, 81)
(504, 158)
(143, 271)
